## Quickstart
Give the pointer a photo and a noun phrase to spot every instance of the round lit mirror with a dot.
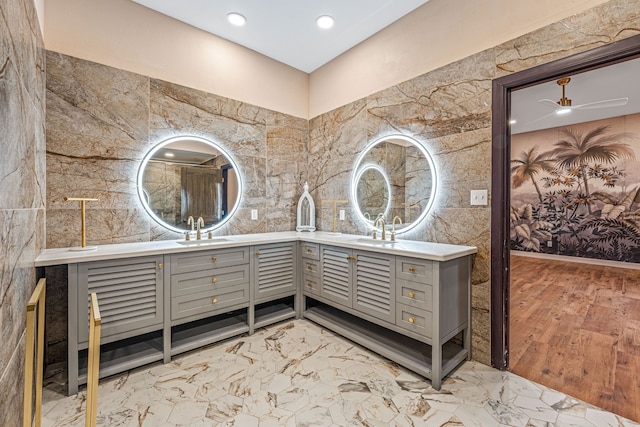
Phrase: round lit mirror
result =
(188, 176)
(373, 191)
(394, 177)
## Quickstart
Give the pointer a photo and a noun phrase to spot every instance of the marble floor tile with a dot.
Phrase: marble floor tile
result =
(299, 374)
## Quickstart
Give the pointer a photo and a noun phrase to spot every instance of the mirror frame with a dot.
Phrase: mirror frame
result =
(387, 184)
(141, 190)
(358, 166)
(598, 57)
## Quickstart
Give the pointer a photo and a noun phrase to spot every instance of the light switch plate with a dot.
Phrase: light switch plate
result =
(478, 197)
(254, 214)
(341, 214)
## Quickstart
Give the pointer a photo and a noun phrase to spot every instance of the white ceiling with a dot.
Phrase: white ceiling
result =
(615, 81)
(285, 30)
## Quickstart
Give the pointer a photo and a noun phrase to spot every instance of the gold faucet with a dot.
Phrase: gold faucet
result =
(379, 219)
(187, 234)
(393, 227)
(200, 223)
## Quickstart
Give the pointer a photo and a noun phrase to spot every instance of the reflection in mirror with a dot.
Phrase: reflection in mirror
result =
(373, 191)
(394, 176)
(186, 177)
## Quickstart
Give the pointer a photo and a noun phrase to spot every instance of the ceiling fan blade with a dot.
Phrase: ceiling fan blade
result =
(617, 102)
(541, 118)
(549, 102)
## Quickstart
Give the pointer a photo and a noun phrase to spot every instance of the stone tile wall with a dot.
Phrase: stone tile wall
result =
(22, 189)
(101, 121)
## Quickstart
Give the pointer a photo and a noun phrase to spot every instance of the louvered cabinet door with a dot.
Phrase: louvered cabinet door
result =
(275, 270)
(130, 296)
(336, 267)
(375, 285)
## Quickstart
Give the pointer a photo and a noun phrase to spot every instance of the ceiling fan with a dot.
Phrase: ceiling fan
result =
(564, 106)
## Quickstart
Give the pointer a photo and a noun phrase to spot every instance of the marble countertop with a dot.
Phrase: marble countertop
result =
(412, 248)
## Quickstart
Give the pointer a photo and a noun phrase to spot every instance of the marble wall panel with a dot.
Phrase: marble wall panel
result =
(606, 23)
(98, 131)
(22, 184)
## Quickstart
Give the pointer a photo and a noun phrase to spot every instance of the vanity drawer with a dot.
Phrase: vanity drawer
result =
(416, 270)
(311, 285)
(204, 260)
(311, 250)
(205, 280)
(311, 267)
(414, 320)
(414, 294)
(209, 303)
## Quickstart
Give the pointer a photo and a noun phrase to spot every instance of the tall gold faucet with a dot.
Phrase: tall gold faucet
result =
(393, 227)
(200, 223)
(380, 219)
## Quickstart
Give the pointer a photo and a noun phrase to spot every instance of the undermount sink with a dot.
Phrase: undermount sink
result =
(203, 241)
(371, 241)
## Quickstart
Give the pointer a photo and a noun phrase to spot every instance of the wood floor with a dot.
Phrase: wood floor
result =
(576, 328)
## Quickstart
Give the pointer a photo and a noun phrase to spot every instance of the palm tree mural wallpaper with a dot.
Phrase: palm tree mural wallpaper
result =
(576, 190)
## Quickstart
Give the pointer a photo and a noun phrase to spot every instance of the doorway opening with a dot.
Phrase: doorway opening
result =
(514, 294)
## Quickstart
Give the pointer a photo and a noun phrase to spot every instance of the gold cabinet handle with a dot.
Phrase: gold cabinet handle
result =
(257, 253)
(309, 250)
(412, 270)
(412, 319)
(309, 267)
(214, 259)
(310, 285)
(160, 265)
(412, 295)
(214, 300)
(214, 280)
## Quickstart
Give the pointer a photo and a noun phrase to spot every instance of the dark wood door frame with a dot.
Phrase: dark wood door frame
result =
(500, 171)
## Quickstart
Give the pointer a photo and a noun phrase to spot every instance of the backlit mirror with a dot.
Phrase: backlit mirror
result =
(189, 176)
(394, 176)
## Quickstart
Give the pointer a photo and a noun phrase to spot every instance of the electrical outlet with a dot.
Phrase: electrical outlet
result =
(254, 214)
(341, 214)
(549, 244)
(478, 197)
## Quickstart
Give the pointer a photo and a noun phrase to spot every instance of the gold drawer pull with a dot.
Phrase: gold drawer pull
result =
(214, 300)
(412, 294)
(214, 259)
(310, 285)
(412, 270)
(309, 250)
(214, 280)
(309, 267)
(257, 253)
(160, 265)
(412, 319)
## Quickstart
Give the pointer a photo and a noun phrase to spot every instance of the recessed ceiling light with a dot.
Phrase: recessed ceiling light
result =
(325, 22)
(236, 19)
(169, 154)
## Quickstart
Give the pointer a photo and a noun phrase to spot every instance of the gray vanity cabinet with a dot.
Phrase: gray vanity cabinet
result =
(310, 260)
(374, 282)
(275, 271)
(336, 270)
(360, 280)
(130, 294)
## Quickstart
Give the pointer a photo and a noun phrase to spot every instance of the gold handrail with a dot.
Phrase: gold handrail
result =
(35, 302)
(94, 361)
